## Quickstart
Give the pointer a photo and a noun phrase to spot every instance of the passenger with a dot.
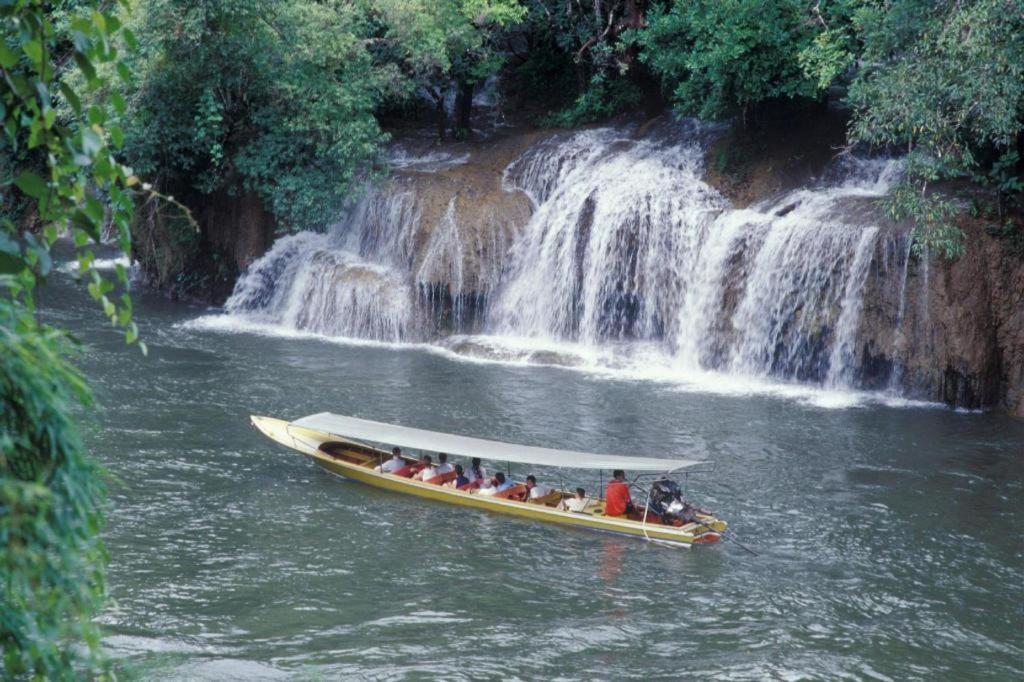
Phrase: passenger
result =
(443, 467)
(427, 470)
(575, 504)
(460, 478)
(617, 501)
(500, 484)
(539, 491)
(392, 465)
(488, 487)
(476, 472)
(527, 493)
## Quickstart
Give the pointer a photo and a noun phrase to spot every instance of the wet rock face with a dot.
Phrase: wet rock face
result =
(949, 331)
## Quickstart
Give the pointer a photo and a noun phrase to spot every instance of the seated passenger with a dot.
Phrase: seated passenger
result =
(487, 487)
(443, 467)
(532, 490)
(575, 504)
(460, 478)
(476, 472)
(500, 484)
(524, 494)
(427, 471)
(392, 465)
(617, 501)
(538, 492)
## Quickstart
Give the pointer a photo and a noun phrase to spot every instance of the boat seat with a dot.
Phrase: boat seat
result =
(408, 471)
(443, 478)
(511, 492)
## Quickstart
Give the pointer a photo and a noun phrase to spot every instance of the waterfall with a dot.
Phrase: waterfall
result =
(627, 252)
(616, 232)
(307, 283)
(628, 242)
(402, 265)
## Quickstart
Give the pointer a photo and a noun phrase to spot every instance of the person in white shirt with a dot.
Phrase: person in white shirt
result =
(539, 491)
(392, 465)
(575, 504)
(428, 471)
(443, 467)
(476, 472)
(500, 484)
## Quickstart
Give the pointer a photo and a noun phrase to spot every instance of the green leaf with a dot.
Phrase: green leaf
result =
(34, 50)
(10, 264)
(7, 57)
(31, 184)
(85, 66)
(118, 101)
(130, 40)
(71, 97)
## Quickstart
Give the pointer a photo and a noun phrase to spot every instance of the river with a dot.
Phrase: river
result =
(889, 535)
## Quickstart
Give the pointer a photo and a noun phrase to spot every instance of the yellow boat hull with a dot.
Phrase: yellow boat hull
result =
(309, 442)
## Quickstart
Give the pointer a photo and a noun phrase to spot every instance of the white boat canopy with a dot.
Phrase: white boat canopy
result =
(419, 439)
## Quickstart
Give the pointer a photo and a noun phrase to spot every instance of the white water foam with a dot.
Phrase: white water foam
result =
(71, 267)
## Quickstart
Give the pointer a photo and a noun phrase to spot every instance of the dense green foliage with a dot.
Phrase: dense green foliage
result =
(719, 56)
(50, 499)
(278, 97)
(283, 98)
(263, 96)
(950, 90)
(60, 173)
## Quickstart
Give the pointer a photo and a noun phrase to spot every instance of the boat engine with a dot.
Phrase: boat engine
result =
(667, 502)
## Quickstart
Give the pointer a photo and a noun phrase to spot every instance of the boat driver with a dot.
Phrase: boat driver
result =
(617, 500)
(392, 465)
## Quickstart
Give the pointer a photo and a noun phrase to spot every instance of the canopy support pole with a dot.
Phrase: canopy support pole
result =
(647, 508)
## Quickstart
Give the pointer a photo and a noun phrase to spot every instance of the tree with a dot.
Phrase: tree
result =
(723, 57)
(597, 44)
(437, 42)
(266, 97)
(943, 82)
(60, 165)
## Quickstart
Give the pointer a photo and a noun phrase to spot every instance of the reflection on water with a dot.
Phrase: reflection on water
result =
(612, 555)
(889, 537)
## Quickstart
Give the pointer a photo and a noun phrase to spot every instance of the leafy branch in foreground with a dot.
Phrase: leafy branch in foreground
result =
(60, 176)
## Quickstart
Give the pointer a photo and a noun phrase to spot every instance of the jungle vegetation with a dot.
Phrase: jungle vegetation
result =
(109, 107)
(285, 99)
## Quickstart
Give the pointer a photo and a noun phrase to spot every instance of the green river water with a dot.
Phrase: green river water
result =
(891, 538)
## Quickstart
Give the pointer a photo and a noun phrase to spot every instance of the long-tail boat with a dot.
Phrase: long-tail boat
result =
(341, 445)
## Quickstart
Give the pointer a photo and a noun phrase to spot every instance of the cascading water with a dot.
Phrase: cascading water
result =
(628, 242)
(628, 257)
(386, 272)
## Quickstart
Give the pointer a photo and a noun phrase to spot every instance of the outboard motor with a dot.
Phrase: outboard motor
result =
(667, 502)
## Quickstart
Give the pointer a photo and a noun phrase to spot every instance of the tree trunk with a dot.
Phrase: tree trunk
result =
(442, 118)
(463, 109)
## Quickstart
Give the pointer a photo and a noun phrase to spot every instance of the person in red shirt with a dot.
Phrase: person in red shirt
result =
(617, 501)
